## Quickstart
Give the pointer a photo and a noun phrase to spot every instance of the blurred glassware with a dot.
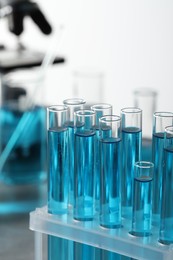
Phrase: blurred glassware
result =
(89, 84)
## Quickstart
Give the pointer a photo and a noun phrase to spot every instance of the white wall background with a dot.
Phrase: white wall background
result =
(130, 40)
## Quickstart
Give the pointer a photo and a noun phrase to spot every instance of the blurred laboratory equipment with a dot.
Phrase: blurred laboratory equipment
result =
(88, 83)
(146, 99)
(15, 12)
(23, 171)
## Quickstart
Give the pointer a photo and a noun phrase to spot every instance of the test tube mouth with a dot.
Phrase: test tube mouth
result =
(85, 112)
(101, 106)
(134, 110)
(74, 101)
(144, 164)
(163, 114)
(110, 118)
(56, 108)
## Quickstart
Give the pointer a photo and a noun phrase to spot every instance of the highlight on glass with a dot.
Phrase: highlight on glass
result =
(100, 110)
(110, 175)
(84, 151)
(160, 121)
(74, 104)
(131, 145)
(142, 199)
(166, 218)
(58, 164)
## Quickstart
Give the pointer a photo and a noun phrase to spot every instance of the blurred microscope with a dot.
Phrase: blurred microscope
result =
(22, 121)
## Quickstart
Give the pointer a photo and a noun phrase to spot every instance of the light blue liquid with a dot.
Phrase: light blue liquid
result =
(84, 175)
(23, 176)
(71, 163)
(157, 150)
(132, 142)
(58, 187)
(142, 206)
(110, 198)
(58, 170)
(97, 172)
(84, 252)
(58, 249)
(166, 225)
(146, 149)
(107, 255)
(26, 163)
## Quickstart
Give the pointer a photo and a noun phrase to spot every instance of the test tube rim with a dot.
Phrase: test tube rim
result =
(57, 108)
(84, 112)
(163, 114)
(130, 110)
(101, 106)
(144, 164)
(74, 101)
(105, 119)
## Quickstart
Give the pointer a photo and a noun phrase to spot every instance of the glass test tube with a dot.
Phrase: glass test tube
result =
(142, 199)
(84, 122)
(110, 183)
(89, 84)
(160, 121)
(58, 171)
(166, 220)
(100, 110)
(145, 99)
(57, 117)
(74, 104)
(131, 146)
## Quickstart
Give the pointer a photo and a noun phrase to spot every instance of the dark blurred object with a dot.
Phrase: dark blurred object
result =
(25, 58)
(16, 12)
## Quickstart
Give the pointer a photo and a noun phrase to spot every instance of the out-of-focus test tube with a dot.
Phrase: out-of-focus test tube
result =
(110, 183)
(100, 110)
(160, 121)
(146, 98)
(89, 84)
(131, 146)
(142, 199)
(74, 104)
(166, 218)
(84, 122)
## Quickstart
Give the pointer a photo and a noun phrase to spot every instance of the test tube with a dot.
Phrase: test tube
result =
(131, 145)
(110, 159)
(166, 221)
(74, 104)
(58, 171)
(146, 99)
(84, 122)
(142, 199)
(100, 110)
(160, 121)
(58, 168)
